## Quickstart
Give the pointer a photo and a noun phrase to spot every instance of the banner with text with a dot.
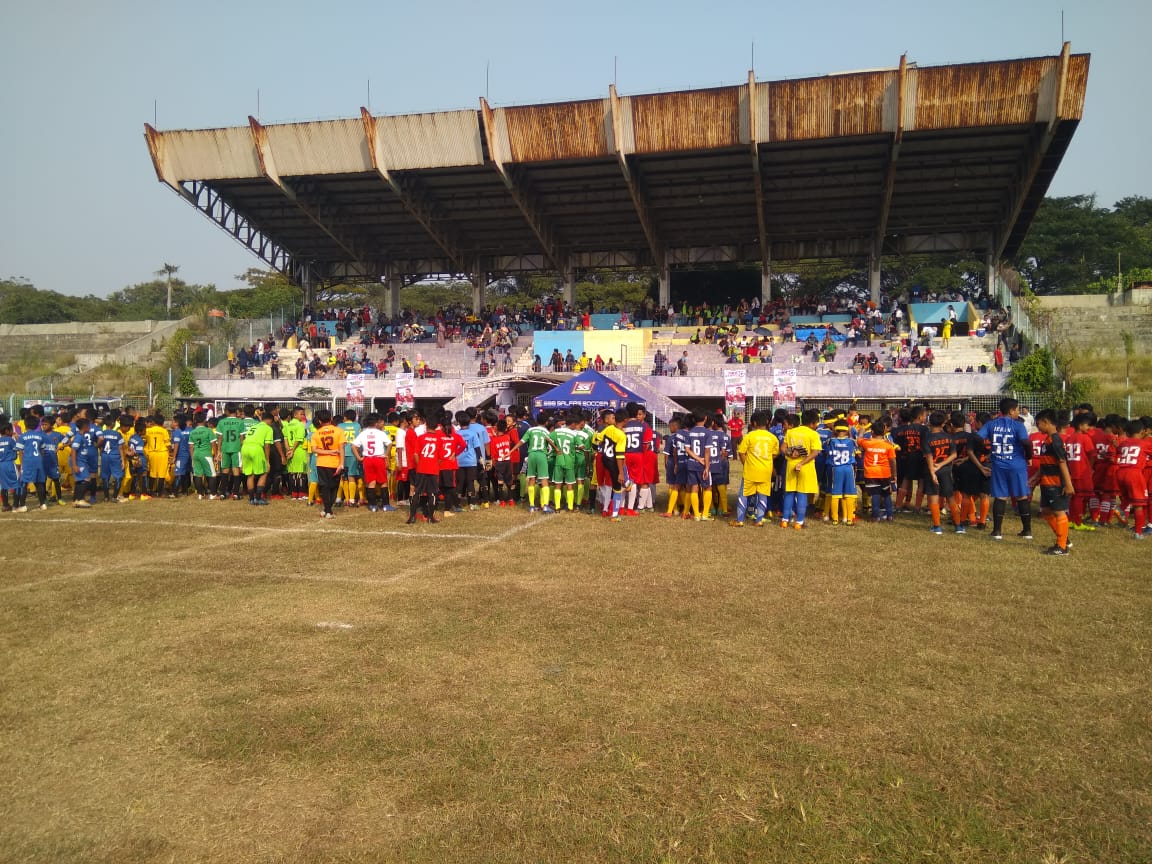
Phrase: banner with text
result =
(784, 388)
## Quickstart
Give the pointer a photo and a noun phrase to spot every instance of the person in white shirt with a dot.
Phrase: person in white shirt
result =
(373, 446)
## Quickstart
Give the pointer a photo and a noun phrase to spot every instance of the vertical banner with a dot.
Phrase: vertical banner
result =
(735, 389)
(784, 388)
(405, 399)
(354, 391)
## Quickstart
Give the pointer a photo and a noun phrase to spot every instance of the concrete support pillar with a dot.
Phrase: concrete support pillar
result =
(570, 287)
(394, 283)
(874, 279)
(990, 266)
(665, 282)
(479, 280)
(308, 284)
(766, 283)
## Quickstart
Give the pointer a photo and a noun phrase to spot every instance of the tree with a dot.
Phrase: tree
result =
(167, 271)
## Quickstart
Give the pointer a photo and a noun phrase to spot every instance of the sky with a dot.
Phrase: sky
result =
(81, 210)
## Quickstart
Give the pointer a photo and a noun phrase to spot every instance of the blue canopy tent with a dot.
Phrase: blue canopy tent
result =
(589, 390)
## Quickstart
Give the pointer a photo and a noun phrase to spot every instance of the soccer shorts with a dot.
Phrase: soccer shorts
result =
(612, 474)
(843, 481)
(564, 474)
(502, 472)
(375, 469)
(944, 485)
(228, 461)
(33, 473)
(1053, 498)
(636, 470)
(910, 467)
(448, 478)
(721, 476)
(425, 484)
(52, 468)
(252, 462)
(353, 469)
(1010, 483)
(9, 477)
(682, 473)
(1104, 479)
(1133, 488)
(83, 473)
(537, 466)
(181, 466)
(157, 466)
(670, 470)
(109, 472)
(752, 487)
(694, 474)
(298, 464)
(202, 466)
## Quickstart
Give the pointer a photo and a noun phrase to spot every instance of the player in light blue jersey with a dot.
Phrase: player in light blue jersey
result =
(1009, 451)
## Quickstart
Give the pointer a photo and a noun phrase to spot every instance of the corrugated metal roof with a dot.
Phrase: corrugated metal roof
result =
(829, 107)
(1075, 87)
(980, 94)
(211, 154)
(690, 120)
(562, 130)
(330, 147)
(440, 140)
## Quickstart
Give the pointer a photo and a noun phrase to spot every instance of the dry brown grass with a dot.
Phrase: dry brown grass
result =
(574, 691)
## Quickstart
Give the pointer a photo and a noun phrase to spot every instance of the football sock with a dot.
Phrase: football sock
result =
(413, 504)
(1060, 526)
(801, 507)
(1105, 511)
(694, 504)
(985, 504)
(759, 506)
(1024, 508)
(849, 508)
(722, 499)
(4, 497)
(617, 501)
(633, 493)
(999, 506)
(42, 494)
(934, 508)
(313, 492)
(532, 495)
(80, 490)
(556, 495)
(1139, 518)
(672, 495)
(260, 491)
(707, 502)
(160, 487)
(832, 510)
(741, 507)
(789, 506)
(570, 497)
(581, 489)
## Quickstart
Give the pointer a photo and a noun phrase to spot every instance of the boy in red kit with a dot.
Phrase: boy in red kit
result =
(1053, 478)
(451, 446)
(1104, 474)
(1131, 457)
(424, 453)
(502, 470)
(1081, 450)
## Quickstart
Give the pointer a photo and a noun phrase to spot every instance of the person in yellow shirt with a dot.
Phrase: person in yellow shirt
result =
(157, 450)
(801, 446)
(63, 454)
(758, 448)
(328, 447)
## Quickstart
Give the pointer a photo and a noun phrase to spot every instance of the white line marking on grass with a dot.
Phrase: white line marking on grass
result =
(464, 553)
(268, 529)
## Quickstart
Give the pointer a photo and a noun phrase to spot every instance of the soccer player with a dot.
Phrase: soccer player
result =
(1081, 450)
(613, 444)
(840, 454)
(451, 446)
(909, 437)
(424, 448)
(639, 436)
(502, 472)
(181, 455)
(10, 485)
(879, 456)
(472, 459)
(158, 451)
(138, 461)
(939, 454)
(89, 449)
(1104, 482)
(230, 432)
(53, 441)
(757, 453)
(295, 452)
(255, 459)
(32, 472)
(672, 447)
(537, 444)
(1054, 479)
(63, 452)
(801, 446)
(1009, 452)
(350, 487)
(328, 447)
(564, 442)
(203, 444)
(83, 448)
(373, 448)
(1131, 456)
(696, 461)
(719, 453)
(113, 456)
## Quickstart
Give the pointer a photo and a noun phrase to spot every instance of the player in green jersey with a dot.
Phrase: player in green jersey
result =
(204, 449)
(537, 444)
(255, 456)
(230, 432)
(295, 452)
(565, 442)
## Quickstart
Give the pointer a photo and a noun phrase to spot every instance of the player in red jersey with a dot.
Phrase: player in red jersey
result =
(639, 437)
(1081, 450)
(502, 470)
(1104, 474)
(424, 454)
(1131, 458)
(451, 446)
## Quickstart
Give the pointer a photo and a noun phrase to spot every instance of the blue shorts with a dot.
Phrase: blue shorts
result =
(843, 480)
(721, 477)
(694, 474)
(112, 471)
(9, 479)
(682, 474)
(1010, 482)
(83, 472)
(182, 466)
(52, 469)
(33, 473)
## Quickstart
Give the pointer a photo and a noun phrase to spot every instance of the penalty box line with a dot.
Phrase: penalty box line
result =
(211, 526)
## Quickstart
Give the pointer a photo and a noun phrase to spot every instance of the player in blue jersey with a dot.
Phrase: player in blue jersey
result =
(10, 485)
(182, 455)
(695, 462)
(52, 442)
(113, 457)
(138, 460)
(840, 453)
(32, 471)
(1009, 450)
(83, 455)
(719, 453)
(351, 489)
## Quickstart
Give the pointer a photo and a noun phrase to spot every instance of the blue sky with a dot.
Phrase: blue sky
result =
(81, 210)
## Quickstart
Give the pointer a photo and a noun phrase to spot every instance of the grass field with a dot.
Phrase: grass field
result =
(195, 682)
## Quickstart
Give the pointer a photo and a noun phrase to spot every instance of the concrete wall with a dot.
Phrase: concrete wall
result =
(126, 340)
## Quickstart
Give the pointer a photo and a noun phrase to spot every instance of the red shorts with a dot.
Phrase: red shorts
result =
(652, 466)
(637, 466)
(375, 469)
(1084, 484)
(1104, 479)
(1133, 486)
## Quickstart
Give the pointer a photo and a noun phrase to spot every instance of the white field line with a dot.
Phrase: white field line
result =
(257, 529)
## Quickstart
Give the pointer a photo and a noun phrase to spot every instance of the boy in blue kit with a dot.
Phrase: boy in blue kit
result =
(52, 442)
(182, 453)
(113, 449)
(84, 442)
(32, 473)
(139, 461)
(473, 458)
(83, 454)
(840, 454)
(10, 486)
(1009, 453)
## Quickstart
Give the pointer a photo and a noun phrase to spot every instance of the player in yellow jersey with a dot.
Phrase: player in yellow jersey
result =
(613, 444)
(157, 450)
(801, 447)
(758, 449)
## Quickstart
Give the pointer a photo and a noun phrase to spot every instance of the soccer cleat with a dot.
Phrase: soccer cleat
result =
(145, 497)
(1056, 550)
(410, 521)
(473, 507)
(43, 506)
(532, 509)
(21, 509)
(372, 509)
(996, 535)
(937, 530)
(387, 508)
(848, 523)
(667, 515)
(327, 516)
(1083, 527)
(615, 519)
(799, 526)
(784, 523)
(121, 500)
(82, 504)
(1136, 536)
(834, 521)
(761, 523)
(960, 529)
(543, 510)
(735, 524)
(1023, 535)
